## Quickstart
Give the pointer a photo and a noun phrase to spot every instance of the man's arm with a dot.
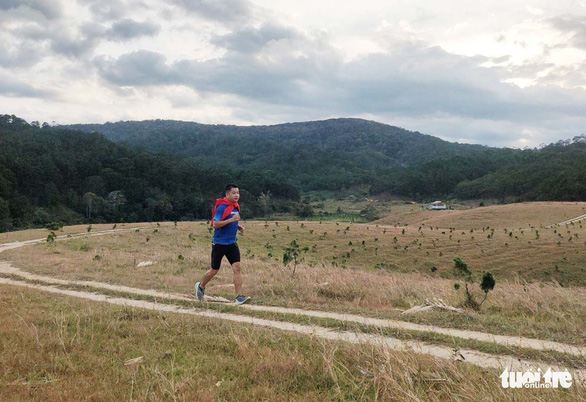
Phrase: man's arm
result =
(220, 224)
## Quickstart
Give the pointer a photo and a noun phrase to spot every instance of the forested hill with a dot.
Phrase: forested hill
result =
(59, 175)
(556, 172)
(52, 174)
(339, 153)
(329, 154)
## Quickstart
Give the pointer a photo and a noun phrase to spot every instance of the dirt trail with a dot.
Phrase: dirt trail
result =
(17, 244)
(537, 344)
(471, 356)
(576, 219)
(480, 359)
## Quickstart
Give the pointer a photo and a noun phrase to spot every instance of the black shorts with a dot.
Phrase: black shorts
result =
(231, 251)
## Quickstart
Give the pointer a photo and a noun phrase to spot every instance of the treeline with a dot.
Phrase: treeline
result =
(554, 173)
(59, 175)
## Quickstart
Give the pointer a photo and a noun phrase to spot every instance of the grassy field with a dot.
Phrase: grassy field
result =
(374, 270)
(32, 234)
(509, 216)
(56, 348)
(392, 270)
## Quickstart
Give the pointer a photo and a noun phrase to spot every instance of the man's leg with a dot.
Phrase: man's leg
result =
(208, 277)
(216, 262)
(240, 298)
(237, 278)
(217, 255)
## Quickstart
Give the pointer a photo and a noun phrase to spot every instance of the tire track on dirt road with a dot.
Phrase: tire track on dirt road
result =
(512, 341)
(485, 360)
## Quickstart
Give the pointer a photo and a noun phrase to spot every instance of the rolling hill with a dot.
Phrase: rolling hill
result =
(329, 154)
(340, 153)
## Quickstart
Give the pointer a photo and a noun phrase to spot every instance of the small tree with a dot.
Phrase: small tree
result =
(51, 238)
(487, 284)
(462, 272)
(290, 254)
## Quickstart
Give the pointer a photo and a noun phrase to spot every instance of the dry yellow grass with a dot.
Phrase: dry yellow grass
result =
(31, 234)
(515, 307)
(511, 216)
(49, 342)
(58, 348)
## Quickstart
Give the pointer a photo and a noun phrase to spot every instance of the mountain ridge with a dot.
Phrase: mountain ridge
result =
(313, 152)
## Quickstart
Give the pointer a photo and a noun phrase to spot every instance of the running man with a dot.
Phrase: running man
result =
(225, 220)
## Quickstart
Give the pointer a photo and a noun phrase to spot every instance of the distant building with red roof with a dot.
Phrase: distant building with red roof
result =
(438, 205)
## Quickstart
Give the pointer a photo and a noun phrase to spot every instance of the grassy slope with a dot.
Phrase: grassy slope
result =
(511, 216)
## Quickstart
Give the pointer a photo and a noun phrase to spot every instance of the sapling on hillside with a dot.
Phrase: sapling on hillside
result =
(290, 254)
(461, 271)
(487, 283)
(51, 238)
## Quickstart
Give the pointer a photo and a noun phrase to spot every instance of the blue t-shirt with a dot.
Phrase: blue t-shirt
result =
(227, 234)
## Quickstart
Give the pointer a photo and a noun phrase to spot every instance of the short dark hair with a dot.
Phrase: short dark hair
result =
(229, 187)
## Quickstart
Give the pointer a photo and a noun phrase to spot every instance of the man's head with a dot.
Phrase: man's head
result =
(232, 192)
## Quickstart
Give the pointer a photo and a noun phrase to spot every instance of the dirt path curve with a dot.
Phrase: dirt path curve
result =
(576, 219)
(480, 359)
(17, 244)
(530, 343)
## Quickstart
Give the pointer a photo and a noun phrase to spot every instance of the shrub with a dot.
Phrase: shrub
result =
(487, 284)
(54, 225)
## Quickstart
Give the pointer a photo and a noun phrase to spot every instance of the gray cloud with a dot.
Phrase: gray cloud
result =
(106, 10)
(413, 81)
(91, 33)
(226, 11)
(138, 68)
(568, 76)
(250, 39)
(73, 46)
(241, 74)
(19, 54)
(501, 59)
(127, 29)
(72, 41)
(575, 24)
(51, 9)
(13, 87)
(527, 70)
(76, 42)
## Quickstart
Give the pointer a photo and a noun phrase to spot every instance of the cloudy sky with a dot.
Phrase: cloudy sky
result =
(502, 73)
